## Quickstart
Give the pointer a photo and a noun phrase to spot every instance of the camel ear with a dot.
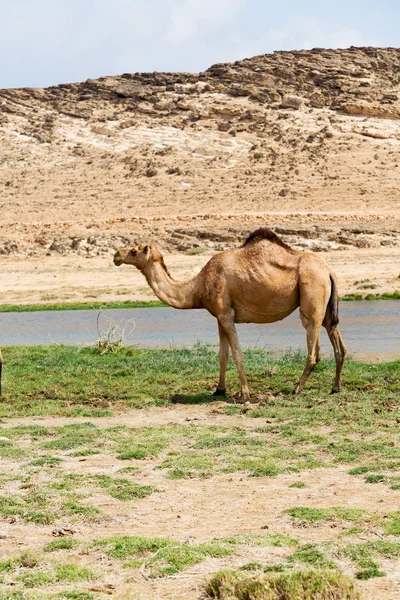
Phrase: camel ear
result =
(146, 250)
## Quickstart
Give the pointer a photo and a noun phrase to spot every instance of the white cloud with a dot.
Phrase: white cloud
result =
(307, 32)
(189, 18)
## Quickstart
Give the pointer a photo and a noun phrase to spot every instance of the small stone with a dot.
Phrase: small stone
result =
(291, 102)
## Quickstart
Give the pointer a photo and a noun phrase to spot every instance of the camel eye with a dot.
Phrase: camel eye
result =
(133, 252)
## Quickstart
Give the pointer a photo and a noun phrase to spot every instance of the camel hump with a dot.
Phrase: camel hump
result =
(266, 234)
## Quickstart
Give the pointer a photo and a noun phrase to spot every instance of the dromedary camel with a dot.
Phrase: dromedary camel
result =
(262, 281)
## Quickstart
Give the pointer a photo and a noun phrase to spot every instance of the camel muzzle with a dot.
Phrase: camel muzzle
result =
(117, 259)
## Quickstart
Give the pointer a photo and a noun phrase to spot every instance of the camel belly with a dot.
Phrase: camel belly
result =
(265, 304)
(257, 314)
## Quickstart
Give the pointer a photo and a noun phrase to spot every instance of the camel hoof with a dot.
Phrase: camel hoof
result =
(335, 391)
(241, 400)
(220, 393)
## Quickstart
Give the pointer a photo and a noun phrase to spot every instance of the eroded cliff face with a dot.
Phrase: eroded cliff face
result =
(87, 166)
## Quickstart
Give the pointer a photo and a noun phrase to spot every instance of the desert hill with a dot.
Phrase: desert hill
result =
(306, 142)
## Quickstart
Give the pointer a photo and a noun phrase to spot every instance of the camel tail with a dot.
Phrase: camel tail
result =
(333, 304)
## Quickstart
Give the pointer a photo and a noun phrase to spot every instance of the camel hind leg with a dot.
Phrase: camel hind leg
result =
(313, 329)
(339, 350)
(315, 292)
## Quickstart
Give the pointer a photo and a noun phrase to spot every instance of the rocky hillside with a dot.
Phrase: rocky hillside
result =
(180, 156)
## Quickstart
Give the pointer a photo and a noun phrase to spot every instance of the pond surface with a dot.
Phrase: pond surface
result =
(371, 330)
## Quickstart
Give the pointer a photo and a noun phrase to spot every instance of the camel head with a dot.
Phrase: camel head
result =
(139, 256)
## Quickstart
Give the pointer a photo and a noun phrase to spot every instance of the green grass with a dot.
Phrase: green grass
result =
(80, 305)
(160, 557)
(32, 508)
(65, 381)
(313, 515)
(195, 251)
(75, 595)
(309, 554)
(357, 427)
(382, 296)
(46, 460)
(65, 543)
(29, 571)
(122, 489)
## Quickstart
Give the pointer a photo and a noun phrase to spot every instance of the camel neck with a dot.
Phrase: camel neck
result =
(178, 294)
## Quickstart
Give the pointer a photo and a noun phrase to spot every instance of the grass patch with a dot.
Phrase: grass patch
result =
(383, 296)
(369, 572)
(30, 571)
(65, 543)
(365, 555)
(268, 539)
(88, 512)
(312, 515)
(195, 251)
(311, 555)
(122, 489)
(62, 381)
(79, 306)
(300, 585)
(34, 508)
(46, 460)
(75, 595)
(72, 573)
(9, 450)
(375, 478)
(162, 556)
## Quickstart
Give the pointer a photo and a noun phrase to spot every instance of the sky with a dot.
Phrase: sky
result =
(47, 42)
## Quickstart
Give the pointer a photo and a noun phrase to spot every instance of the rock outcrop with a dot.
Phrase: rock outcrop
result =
(309, 131)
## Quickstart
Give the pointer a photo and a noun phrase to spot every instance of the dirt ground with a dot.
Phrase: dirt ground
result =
(199, 510)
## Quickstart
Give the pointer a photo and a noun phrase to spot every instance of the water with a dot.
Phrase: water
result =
(371, 330)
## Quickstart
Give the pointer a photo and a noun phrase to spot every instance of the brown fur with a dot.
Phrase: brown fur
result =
(157, 256)
(267, 234)
(263, 281)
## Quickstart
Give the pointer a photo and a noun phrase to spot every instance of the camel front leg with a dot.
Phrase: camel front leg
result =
(223, 362)
(228, 326)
